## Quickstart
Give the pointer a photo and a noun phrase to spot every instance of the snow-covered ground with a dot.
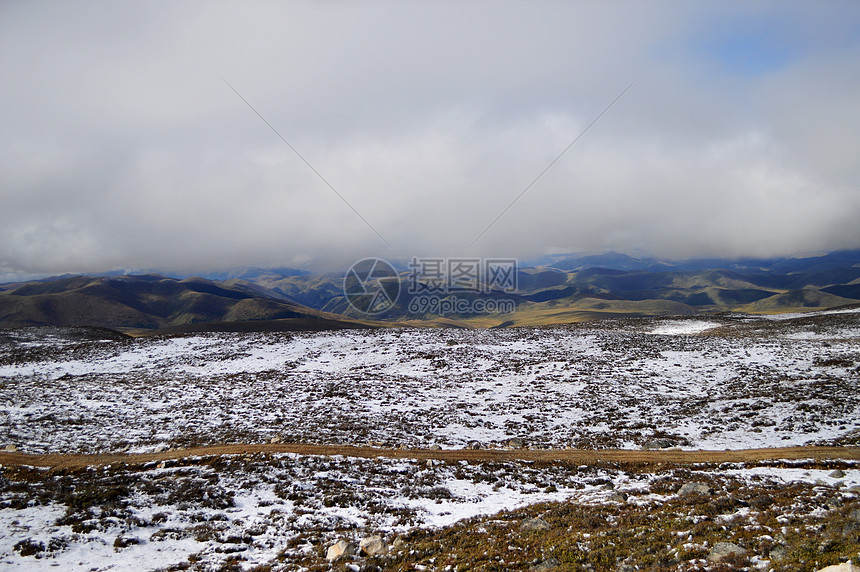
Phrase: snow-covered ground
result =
(728, 382)
(733, 382)
(676, 327)
(288, 506)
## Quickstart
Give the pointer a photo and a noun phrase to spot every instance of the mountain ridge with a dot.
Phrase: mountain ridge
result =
(590, 287)
(145, 302)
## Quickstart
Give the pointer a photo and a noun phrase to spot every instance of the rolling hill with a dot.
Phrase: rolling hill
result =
(564, 289)
(149, 302)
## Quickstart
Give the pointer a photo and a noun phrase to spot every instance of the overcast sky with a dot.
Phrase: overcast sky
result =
(123, 147)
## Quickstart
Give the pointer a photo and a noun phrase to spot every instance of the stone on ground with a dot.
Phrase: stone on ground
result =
(340, 549)
(534, 524)
(844, 567)
(372, 545)
(657, 444)
(723, 549)
(548, 564)
(692, 488)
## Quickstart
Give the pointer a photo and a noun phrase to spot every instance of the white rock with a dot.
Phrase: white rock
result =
(691, 488)
(534, 524)
(723, 549)
(517, 443)
(778, 553)
(340, 549)
(373, 545)
(548, 564)
(844, 567)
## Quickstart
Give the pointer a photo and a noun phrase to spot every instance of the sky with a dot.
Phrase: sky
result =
(192, 136)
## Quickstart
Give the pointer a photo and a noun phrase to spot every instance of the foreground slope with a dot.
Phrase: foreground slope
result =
(503, 492)
(725, 382)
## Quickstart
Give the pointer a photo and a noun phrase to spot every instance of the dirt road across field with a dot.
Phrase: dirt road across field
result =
(578, 456)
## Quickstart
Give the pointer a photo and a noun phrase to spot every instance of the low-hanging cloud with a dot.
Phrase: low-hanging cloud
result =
(123, 147)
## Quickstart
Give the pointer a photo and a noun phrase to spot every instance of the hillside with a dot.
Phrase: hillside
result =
(573, 290)
(144, 302)
(563, 289)
(806, 298)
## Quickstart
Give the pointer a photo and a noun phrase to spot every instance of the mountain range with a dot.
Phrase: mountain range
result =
(550, 290)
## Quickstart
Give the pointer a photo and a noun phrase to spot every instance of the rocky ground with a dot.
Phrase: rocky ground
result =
(286, 512)
(728, 382)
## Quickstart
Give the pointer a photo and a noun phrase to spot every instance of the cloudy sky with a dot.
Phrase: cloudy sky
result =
(124, 147)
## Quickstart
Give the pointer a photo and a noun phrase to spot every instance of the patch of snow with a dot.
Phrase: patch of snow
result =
(683, 328)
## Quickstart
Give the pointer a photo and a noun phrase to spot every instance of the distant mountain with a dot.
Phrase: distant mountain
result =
(804, 299)
(777, 266)
(844, 290)
(562, 289)
(610, 260)
(253, 273)
(143, 302)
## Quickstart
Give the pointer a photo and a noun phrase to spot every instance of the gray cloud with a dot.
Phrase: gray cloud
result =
(122, 147)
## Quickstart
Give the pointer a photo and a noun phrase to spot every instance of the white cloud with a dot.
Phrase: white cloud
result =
(123, 147)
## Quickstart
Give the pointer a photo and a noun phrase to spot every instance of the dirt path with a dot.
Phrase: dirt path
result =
(580, 456)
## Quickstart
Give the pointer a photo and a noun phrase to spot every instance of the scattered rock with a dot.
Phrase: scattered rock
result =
(616, 497)
(398, 543)
(276, 439)
(724, 549)
(837, 474)
(435, 447)
(778, 553)
(548, 564)
(474, 445)
(10, 448)
(695, 488)
(761, 502)
(834, 502)
(517, 443)
(340, 549)
(534, 524)
(657, 444)
(844, 567)
(372, 545)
